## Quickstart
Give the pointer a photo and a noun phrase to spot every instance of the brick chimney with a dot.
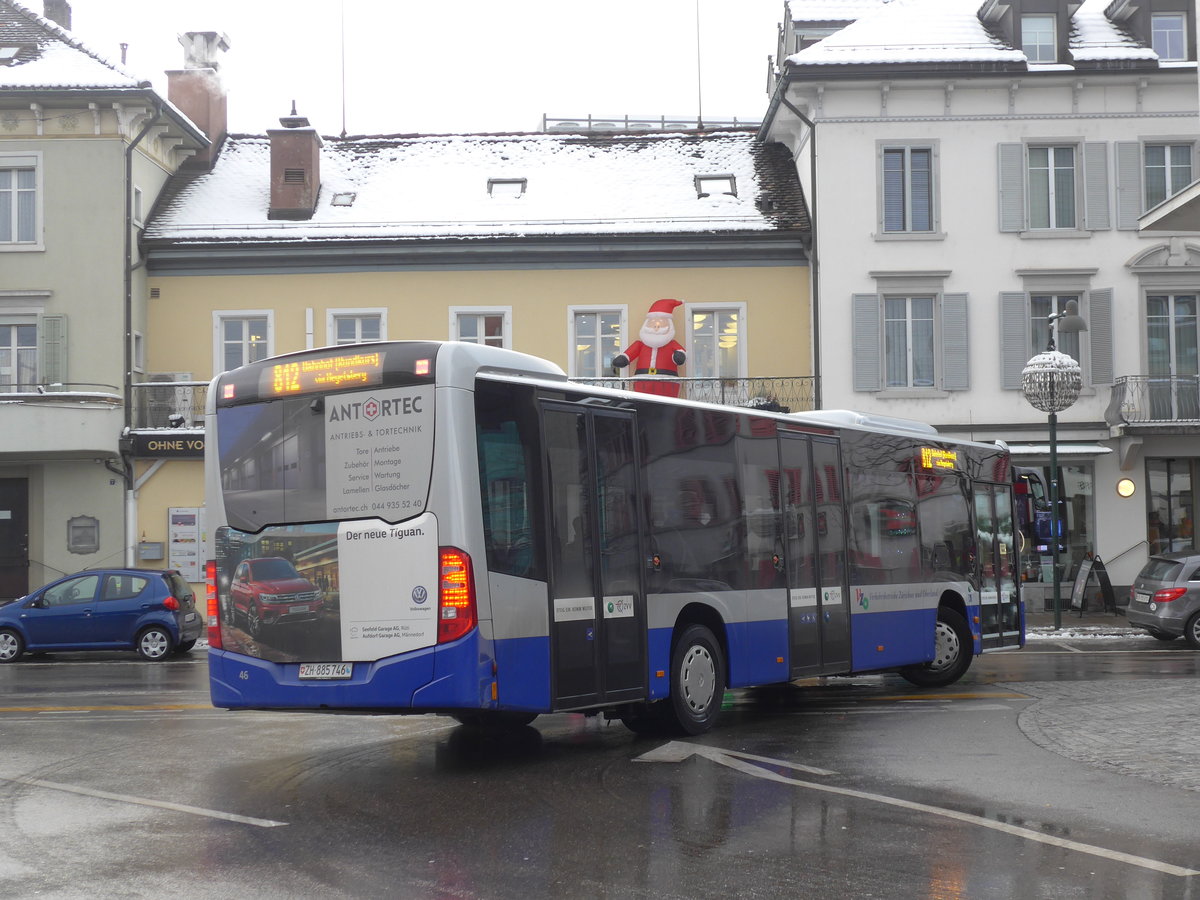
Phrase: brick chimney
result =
(58, 12)
(295, 168)
(197, 90)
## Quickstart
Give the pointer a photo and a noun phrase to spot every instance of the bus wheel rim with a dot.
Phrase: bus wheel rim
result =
(946, 649)
(698, 678)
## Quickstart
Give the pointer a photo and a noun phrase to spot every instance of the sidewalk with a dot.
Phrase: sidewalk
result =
(1093, 622)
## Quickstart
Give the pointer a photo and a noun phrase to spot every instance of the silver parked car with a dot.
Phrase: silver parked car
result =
(1165, 597)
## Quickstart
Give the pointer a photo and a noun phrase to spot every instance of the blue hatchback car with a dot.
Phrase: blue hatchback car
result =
(152, 611)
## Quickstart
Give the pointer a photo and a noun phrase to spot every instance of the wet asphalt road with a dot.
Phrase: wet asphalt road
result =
(1068, 769)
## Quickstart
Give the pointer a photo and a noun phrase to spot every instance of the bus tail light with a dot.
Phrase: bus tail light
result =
(1168, 594)
(212, 607)
(456, 596)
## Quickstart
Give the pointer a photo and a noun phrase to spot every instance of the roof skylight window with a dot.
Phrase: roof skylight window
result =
(507, 187)
(8, 54)
(344, 198)
(707, 185)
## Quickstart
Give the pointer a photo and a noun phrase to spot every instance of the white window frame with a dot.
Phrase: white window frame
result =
(1025, 48)
(138, 352)
(1171, 188)
(220, 316)
(1169, 34)
(689, 312)
(14, 318)
(31, 159)
(883, 148)
(1076, 171)
(332, 315)
(505, 311)
(622, 340)
(935, 342)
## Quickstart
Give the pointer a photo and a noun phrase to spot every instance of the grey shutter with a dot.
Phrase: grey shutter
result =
(1129, 184)
(1095, 186)
(956, 370)
(1014, 339)
(867, 348)
(52, 335)
(1011, 181)
(1100, 334)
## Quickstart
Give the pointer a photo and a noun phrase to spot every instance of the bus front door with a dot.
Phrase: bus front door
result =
(818, 599)
(999, 614)
(597, 597)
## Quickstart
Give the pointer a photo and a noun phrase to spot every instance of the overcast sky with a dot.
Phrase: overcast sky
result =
(437, 66)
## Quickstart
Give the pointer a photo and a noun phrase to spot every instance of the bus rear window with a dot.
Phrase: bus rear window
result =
(366, 454)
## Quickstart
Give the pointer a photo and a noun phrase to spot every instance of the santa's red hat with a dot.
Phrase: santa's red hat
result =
(664, 307)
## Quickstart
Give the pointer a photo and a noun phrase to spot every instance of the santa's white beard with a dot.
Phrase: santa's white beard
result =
(656, 339)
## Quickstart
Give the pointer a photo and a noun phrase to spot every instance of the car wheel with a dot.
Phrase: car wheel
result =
(1161, 635)
(951, 655)
(153, 643)
(11, 646)
(254, 623)
(185, 646)
(1191, 631)
(697, 680)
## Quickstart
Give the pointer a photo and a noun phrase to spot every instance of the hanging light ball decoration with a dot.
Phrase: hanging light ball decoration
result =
(1051, 381)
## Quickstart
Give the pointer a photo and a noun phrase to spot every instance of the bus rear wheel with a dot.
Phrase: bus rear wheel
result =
(951, 656)
(697, 680)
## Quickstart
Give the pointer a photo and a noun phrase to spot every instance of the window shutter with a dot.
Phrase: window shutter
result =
(866, 342)
(1100, 334)
(1129, 184)
(1095, 193)
(956, 370)
(53, 336)
(1014, 339)
(1011, 180)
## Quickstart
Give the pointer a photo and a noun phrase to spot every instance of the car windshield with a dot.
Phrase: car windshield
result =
(1161, 570)
(272, 570)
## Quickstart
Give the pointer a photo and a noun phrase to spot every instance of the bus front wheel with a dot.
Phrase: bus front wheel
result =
(697, 680)
(952, 653)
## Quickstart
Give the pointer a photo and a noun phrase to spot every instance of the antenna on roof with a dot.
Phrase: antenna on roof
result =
(343, 8)
(699, 89)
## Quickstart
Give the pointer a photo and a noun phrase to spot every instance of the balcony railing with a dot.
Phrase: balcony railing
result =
(785, 393)
(169, 404)
(1154, 400)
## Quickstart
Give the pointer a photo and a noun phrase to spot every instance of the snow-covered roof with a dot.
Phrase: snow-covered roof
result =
(832, 10)
(436, 187)
(950, 31)
(51, 58)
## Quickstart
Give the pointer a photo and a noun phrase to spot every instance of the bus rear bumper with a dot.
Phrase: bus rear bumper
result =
(452, 676)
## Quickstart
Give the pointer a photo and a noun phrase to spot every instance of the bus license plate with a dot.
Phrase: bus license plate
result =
(326, 671)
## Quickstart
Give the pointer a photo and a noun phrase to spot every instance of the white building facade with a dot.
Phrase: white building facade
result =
(970, 170)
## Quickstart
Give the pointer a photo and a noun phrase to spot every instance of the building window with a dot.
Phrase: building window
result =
(18, 356)
(1172, 356)
(348, 326)
(1038, 39)
(708, 185)
(1170, 507)
(1168, 35)
(907, 187)
(19, 202)
(513, 188)
(241, 339)
(908, 347)
(716, 345)
(1167, 171)
(1041, 306)
(1052, 187)
(596, 337)
(139, 352)
(481, 326)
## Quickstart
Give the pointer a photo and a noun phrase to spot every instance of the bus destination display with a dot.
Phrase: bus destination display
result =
(325, 373)
(934, 458)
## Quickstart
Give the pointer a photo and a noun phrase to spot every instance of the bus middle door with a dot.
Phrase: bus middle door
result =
(595, 536)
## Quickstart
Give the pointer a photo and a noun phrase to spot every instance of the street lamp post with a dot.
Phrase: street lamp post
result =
(1051, 382)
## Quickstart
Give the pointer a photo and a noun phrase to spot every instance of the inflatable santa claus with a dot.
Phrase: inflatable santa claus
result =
(657, 352)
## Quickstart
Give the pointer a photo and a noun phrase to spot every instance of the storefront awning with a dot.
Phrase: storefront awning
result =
(1060, 449)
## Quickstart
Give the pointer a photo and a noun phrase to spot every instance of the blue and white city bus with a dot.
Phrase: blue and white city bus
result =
(418, 526)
